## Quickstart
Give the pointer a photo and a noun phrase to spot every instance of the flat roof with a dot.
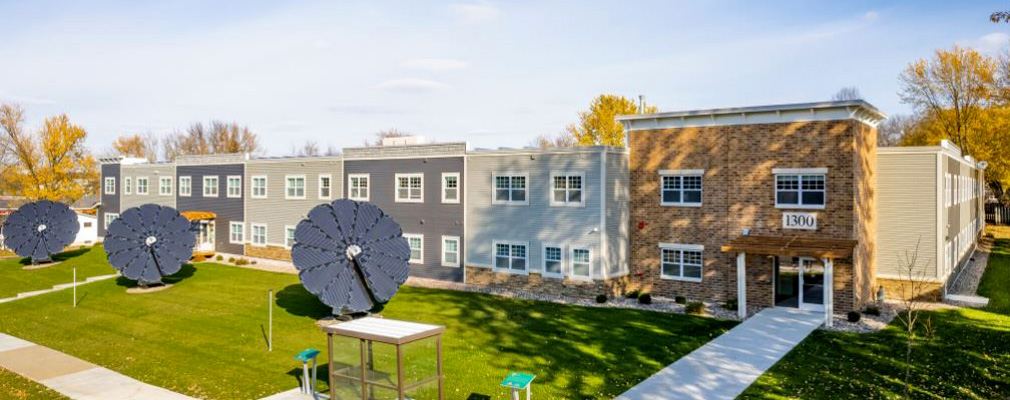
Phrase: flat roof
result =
(776, 113)
(384, 330)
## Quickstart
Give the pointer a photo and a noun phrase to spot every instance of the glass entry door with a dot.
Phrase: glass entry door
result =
(800, 284)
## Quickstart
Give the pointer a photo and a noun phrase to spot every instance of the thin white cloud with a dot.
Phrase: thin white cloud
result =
(991, 43)
(436, 64)
(412, 85)
(472, 13)
(15, 98)
(871, 16)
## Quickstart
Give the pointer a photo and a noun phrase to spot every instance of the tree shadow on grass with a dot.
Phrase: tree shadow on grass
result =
(60, 257)
(187, 270)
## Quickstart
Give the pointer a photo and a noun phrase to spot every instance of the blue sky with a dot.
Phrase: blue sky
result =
(493, 73)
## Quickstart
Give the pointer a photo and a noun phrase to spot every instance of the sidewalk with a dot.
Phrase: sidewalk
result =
(73, 377)
(726, 366)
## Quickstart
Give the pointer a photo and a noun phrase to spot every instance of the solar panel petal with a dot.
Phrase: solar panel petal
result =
(149, 242)
(40, 229)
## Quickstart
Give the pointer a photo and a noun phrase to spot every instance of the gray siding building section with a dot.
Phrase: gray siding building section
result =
(538, 222)
(406, 151)
(276, 210)
(226, 208)
(154, 174)
(110, 202)
(431, 218)
(618, 212)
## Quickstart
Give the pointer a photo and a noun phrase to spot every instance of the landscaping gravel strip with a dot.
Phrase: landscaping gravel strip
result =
(966, 283)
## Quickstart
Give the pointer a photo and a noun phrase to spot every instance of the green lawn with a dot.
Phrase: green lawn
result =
(90, 261)
(968, 356)
(205, 336)
(16, 387)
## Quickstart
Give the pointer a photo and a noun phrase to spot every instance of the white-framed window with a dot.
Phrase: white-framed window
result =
(409, 188)
(357, 187)
(210, 186)
(416, 243)
(289, 236)
(234, 186)
(185, 186)
(510, 188)
(259, 234)
(681, 261)
(325, 187)
(680, 187)
(567, 189)
(554, 262)
(109, 217)
(236, 232)
(142, 186)
(450, 251)
(259, 186)
(110, 185)
(581, 263)
(127, 185)
(801, 188)
(949, 190)
(511, 256)
(294, 187)
(450, 187)
(165, 185)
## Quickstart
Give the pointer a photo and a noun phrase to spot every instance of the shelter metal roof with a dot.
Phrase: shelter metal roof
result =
(385, 330)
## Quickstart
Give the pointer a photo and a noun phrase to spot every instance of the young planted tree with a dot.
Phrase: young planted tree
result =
(912, 301)
(51, 164)
(599, 126)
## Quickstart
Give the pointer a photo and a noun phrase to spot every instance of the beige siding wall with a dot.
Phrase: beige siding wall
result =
(907, 207)
(277, 212)
(153, 173)
(618, 212)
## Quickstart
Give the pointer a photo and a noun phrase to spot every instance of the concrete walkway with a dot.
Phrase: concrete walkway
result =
(62, 286)
(73, 377)
(724, 367)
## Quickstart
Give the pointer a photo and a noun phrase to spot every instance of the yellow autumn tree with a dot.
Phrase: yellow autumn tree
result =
(142, 146)
(599, 126)
(51, 164)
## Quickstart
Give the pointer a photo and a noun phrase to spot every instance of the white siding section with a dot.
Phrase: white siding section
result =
(153, 172)
(277, 212)
(907, 201)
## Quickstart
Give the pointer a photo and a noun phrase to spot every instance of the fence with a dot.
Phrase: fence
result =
(998, 214)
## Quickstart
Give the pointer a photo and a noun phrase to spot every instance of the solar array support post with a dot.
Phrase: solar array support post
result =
(75, 287)
(270, 322)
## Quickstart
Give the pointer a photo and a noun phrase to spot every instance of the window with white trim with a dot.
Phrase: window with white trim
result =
(567, 189)
(185, 186)
(289, 236)
(553, 260)
(800, 190)
(681, 262)
(210, 186)
(357, 187)
(948, 193)
(450, 251)
(110, 185)
(510, 256)
(416, 243)
(236, 232)
(409, 188)
(165, 185)
(259, 187)
(680, 187)
(581, 263)
(259, 234)
(510, 189)
(325, 187)
(109, 217)
(294, 187)
(142, 185)
(127, 185)
(450, 187)
(234, 186)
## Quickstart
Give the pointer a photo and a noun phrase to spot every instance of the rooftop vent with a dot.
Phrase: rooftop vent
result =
(403, 141)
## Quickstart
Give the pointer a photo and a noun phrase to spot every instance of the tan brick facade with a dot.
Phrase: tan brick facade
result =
(271, 252)
(739, 193)
(536, 282)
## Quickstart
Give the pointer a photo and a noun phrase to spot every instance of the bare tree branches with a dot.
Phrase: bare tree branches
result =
(216, 138)
(892, 130)
(385, 134)
(562, 139)
(911, 293)
(847, 93)
(136, 145)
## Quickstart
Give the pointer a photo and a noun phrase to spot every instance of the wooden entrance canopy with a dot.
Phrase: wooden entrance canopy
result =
(793, 246)
(198, 215)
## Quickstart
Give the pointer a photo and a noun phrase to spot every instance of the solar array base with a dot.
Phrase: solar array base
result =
(40, 229)
(149, 242)
(350, 254)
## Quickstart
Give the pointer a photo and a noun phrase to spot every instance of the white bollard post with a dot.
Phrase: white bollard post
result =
(270, 306)
(75, 287)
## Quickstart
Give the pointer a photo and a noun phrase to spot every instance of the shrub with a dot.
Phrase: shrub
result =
(601, 298)
(854, 316)
(645, 298)
(220, 257)
(680, 300)
(872, 310)
(231, 260)
(253, 262)
(199, 258)
(632, 294)
(731, 304)
(241, 261)
(696, 308)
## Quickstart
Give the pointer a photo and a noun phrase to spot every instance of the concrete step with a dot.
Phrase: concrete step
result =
(63, 286)
(967, 300)
(101, 277)
(33, 293)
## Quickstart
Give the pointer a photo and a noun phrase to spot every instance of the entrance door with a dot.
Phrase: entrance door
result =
(800, 284)
(205, 238)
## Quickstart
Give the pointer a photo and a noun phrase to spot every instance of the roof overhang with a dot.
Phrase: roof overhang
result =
(780, 113)
(198, 215)
(792, 246)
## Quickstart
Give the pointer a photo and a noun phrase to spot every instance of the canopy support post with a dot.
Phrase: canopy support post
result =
(741, 284)
(829, 291)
